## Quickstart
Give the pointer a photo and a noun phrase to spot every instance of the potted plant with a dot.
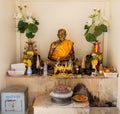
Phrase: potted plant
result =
(27, 60)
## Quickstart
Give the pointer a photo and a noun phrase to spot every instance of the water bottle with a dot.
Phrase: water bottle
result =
(45, 69)
(58, 61)
(70, 62)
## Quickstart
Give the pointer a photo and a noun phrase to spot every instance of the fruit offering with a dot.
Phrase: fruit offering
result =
(80, 98)
(108, 69)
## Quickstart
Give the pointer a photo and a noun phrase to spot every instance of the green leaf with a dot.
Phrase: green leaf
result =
(22, 26)
(90, 37)
(100, 29)
(36, 22)
(29, 35)
(97, 28)
(103, 27)
(86, 27)
(94, 57)
(32, 28)
(98, 32)
(35, 46)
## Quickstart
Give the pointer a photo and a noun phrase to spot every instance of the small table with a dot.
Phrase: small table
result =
(44, 105)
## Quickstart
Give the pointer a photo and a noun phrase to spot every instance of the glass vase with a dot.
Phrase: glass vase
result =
(29, 71)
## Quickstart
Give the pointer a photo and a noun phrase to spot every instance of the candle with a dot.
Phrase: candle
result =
(98, 47)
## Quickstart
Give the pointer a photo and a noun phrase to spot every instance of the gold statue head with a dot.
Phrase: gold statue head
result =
(61, 34)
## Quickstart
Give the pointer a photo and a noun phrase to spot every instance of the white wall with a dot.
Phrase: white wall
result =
(114, 40)
(71, 15)
(7, 38)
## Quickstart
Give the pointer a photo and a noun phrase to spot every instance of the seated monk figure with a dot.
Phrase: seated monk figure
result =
(62, 48)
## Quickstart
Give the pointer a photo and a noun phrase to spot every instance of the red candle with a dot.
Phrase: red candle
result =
(98, 47)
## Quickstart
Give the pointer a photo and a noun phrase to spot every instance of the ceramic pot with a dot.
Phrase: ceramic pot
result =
(30, 46)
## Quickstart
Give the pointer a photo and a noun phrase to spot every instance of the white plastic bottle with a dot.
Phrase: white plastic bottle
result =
(45, 69)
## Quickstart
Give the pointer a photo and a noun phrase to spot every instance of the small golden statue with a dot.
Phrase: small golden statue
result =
(61, 48)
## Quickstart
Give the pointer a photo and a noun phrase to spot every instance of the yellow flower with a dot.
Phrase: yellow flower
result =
(30, 53)
(29, 62)
(27, 59)
(25, 62)
(94, 62)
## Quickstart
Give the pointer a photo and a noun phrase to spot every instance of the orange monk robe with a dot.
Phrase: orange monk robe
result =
(62, 50)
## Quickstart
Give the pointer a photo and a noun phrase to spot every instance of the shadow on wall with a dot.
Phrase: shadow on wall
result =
(93, 100)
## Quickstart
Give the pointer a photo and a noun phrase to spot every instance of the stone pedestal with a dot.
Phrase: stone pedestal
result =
(43, 105)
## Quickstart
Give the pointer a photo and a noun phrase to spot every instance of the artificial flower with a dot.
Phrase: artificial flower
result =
(29, 62)
(95, 26)
(28, 57)
(30, 53)
(26, 23)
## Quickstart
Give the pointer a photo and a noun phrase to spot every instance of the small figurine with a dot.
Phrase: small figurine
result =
(36, 62)
(58, 61)
(88, 65)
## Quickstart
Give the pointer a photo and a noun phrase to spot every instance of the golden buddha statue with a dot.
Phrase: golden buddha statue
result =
(62, 48)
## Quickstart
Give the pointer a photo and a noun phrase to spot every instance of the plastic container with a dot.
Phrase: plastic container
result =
(14, 100)
(110, 74)
(45, 70)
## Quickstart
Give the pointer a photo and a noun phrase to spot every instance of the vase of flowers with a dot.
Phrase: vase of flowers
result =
(27, 23)
(96, 26)
(28, 59)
